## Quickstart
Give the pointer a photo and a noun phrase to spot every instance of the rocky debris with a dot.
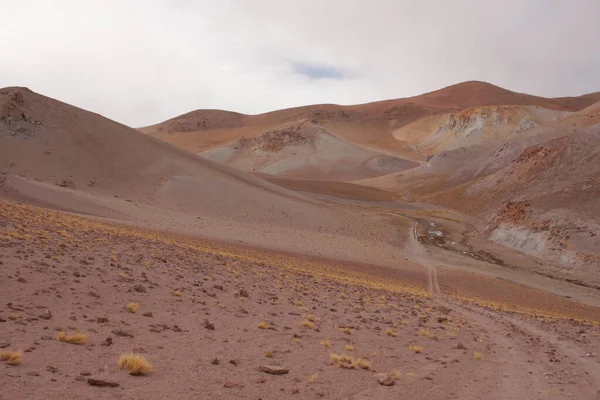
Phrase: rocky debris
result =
(21, 280)
(215, 361)
(33, 373)
(441, 320)
(101, 320)
(46, 315)
(273, 369)
(208, 325)
(233, 385)
(4, 345)
(234, 362)
(94, 294)
(66, 183)
(99, 382)
(460, 346)
(107, 342)
(122, 333)
(244, 293)
(139, 288)
(148, 314)
(85, 373)
(386, 381)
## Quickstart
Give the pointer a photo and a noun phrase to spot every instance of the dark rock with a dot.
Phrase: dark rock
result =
(441, 320)
(148, 314)
(101, 320)
(139, 288)
(21, 280)
(94, 294)
(218, 287)
(99, 382)
(208, 325)
(234, 362)
(244, 293)
(122, 333)
(215, 361)
(386, 381)
(273, 369)
(4, 345)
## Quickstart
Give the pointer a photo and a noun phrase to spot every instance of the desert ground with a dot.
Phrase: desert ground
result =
(444, 246)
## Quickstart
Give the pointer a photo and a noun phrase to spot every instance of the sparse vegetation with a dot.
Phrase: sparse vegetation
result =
(269, 353)
(478, 356)
(77, 338)
(415, 348)
(135, 363)
(263, 325)
(307, 324)
(347, 331)
(177, 293)
(11, 357)
(133, 307)
(390, 332)
(349, 347)
(13, 316)
(313, 378)
(395, 374)
(346, 361)
(325, 343)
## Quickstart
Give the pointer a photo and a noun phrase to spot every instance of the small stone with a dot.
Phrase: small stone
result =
(47, 338)
(208, 325)
(215, 361)
(4, 345)
(46, 315)
(234, 362)
(139, 288)
(94, 294)
(99, 382)
(80, 378)
(386, 381)
(273, 369)
(460, 346)
(33, 373)
(85, 373)
(101, 320)
(122, 333)
(441, 320)
(218, 287)
(148, 314)
(244, 293)
(108, 341)
(51, 368)
(232, 385)
(21, 280)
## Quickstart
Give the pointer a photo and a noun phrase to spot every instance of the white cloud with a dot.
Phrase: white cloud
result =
(141, 62)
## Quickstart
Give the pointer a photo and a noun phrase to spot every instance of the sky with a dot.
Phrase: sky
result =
(140, 62)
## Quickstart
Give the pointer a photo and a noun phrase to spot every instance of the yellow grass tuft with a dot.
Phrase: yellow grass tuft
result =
(11, 357)
(349, 362)
(269, 353)
(77, 338)
(313, 378)
(390, 332)
(133, 307)
(349, 347)
(395, 374)
(177, 293)
(325, 343)
(135, 363)
(309, 317)
(477, 356)
(307, 324)
(415, 348)
(13, 316)
(347, 331)
(263, 325)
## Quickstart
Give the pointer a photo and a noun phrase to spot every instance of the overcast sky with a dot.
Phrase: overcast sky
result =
(141, 62)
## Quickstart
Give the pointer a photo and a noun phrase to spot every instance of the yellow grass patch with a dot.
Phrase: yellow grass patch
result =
(390, 332)
(478, 356)
(349, 362)
(177, 293)
(269, 353)
(133, 307)
(347, 331)
(325, 343)
(313, 378)
(307, 324)
(76, 338)
(135, 363)
(415, 348)
(263, 325)
(11, 357)
(349, 347)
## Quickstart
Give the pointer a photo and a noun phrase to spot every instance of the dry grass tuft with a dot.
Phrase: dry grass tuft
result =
(11, 357)
(133, 307)
(415, 348)
(135, 363)
(309, 317)
(390, 332)
(269, 353)
(77, 338)
(313, 378)
(325, 343)
(307, 324)
(177, 293)
(347, 331)
(263, 325)
(349, 347)
(349, 362)
(477, 355)
(395, 374)
(13, 316)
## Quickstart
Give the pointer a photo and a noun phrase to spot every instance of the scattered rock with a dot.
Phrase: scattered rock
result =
(94, 294)
(99, 382)
(386, 381)
(234, 362)
(273, 369)
(232, 385)
(441, 320)
(101, 320)
(85, 373)
(139, 288)
(122, 333)
(244, 293)
(33, 373)
(460, 346)
(21, 280)
(148, 314)
(215, 361)
(52, 368)
(4, 345)
(108, 341)
(208, 325)
(47, 338)
(218, 287)
(80, 378)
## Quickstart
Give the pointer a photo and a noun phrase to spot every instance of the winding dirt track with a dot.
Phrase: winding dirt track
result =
(526, 358)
